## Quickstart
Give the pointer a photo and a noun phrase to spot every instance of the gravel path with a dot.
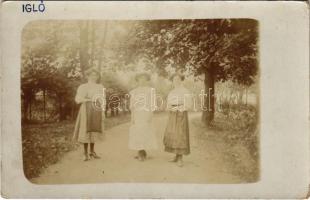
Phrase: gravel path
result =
(203, 165)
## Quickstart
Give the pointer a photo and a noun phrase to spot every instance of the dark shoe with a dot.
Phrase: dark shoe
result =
(175, 159)
(94, 155)
(140, 156)
(144, 154)
(180, 161)
(86, 158)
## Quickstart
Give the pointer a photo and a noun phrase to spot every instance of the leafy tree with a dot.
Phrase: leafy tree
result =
(47, 65)
(219, 49)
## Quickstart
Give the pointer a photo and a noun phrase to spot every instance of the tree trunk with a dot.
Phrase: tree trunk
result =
(101, 53)
(30, 110)
(92, 40)
(84, 47)
(44, 105)
(246, 96)
(240, 95)
(72, 114)
(209, 101)
(26, 108)
(61, 117)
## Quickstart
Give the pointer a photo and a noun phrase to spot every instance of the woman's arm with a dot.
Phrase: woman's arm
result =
(80, 96)
(188, 101)
(100, 97)
(153, 100)
(131, 107)
(132, 117)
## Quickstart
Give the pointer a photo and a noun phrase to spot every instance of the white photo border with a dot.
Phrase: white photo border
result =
(284, 97)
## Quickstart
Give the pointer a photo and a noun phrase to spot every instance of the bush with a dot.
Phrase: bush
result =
(239, 129)
(45, 144)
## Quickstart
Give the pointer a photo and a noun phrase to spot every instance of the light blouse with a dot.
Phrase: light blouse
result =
(90, 92)
(142, 99)
(179, 99)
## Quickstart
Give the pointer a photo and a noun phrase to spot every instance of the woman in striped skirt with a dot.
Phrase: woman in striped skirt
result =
(176, 138)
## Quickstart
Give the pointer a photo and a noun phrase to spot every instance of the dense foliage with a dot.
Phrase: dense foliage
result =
(218, 49)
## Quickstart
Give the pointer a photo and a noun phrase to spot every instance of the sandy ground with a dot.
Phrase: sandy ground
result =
(205, 164)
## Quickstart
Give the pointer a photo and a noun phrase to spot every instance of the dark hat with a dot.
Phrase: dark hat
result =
(178, 74)
(91, 70)
(144, 74)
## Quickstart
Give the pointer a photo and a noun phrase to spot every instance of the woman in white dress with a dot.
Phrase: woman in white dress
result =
(176, 138)
(142, 135)
(89, 125)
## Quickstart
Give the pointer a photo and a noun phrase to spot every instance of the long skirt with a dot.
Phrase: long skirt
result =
(93, 119)
(176, 139)
(142, 134)
(89, 124)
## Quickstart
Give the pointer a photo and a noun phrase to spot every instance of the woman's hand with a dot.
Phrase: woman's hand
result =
(86, 99)
(175, 107)
(132, 118)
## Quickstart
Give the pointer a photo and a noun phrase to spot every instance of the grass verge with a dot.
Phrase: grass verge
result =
(45, 144)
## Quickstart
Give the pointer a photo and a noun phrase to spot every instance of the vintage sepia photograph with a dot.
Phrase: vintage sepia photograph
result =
(141, 101)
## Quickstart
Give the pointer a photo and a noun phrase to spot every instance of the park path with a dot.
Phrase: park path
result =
(205, 164)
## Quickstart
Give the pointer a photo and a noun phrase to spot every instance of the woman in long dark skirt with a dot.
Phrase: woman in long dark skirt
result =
(89, 125)
(176, 139)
